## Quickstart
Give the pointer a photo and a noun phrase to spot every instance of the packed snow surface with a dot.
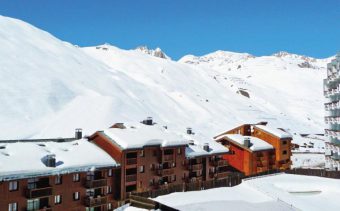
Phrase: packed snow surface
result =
(279, 192)
(26, 159)
(49, 87)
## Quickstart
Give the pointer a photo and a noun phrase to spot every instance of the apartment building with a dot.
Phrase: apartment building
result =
(332, 117)
(150, 155)
(249, 155)
(56, 174)
(245, 145)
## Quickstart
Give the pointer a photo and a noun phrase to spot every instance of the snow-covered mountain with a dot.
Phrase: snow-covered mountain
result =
(153, 52)
(50, 87)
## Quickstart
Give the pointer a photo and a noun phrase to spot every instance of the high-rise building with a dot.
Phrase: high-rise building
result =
(332, 116)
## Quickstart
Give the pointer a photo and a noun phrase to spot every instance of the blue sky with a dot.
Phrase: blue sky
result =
(180, 27)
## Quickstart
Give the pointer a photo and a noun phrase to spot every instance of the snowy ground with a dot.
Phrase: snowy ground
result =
(278, 192)
(310, 153)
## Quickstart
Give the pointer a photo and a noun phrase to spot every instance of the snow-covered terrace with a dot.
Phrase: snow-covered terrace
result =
(256, 144)
(274, 192)
(138, 135)
(25, 159)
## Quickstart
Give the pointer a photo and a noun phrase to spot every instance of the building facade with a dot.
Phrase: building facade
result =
(246, 157)
(57, 174)
(332, 114)
(149, 155)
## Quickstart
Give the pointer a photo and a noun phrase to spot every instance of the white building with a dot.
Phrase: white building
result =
(332, 116)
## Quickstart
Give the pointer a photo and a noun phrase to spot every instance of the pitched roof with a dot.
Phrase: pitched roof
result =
(25, 159)
(256, 143)
(274, 131)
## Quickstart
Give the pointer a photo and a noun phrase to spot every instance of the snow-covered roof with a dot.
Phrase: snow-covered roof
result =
(256, 143)
(195, 148)
(139, 135)
(25, 159)
(274, 131)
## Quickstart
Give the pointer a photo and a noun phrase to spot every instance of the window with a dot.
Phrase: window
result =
(57, 199)
(141, 169)
(33, 204)
(141, 153)
(151, 181)
(32, 183)
(284, 152)
(13, 185)
(284, 142)
(155, 153)
(58, 179)
(109, 173)
(173, 179)
(76, 196)
(109, 189)
(76, 177)
(13, 206)
(179, 151)
(173, 164)
(140, 184)
(109, 206)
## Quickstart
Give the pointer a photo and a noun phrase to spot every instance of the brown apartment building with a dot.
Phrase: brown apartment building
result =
(56, 175)
(149, 155)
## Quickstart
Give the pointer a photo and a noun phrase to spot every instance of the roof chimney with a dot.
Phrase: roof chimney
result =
(50, 160)
(79, 133)
(147, 121)
(246, 142)
(189, 130)
(206, 147)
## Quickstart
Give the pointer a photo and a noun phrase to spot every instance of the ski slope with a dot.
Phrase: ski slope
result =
(49, 87)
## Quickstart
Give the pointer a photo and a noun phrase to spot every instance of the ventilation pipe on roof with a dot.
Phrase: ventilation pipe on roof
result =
(79, 133)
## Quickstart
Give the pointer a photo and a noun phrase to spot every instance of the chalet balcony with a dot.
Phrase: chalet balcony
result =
(196, 167)
(222, 175)
(39, 192)
(96, 183)
(131, 178)
(131, 161)
(165, 172)
(168, 157)
(90, 201)
(221, 163)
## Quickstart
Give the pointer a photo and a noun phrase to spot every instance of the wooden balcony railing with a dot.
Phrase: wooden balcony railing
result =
(165, 172)
(96, 183)
(221, 163)
(39, 192)
(196, 167)
(131, 161)
(222, 175)
(131, 178)
(92, 202)
(168, 157)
